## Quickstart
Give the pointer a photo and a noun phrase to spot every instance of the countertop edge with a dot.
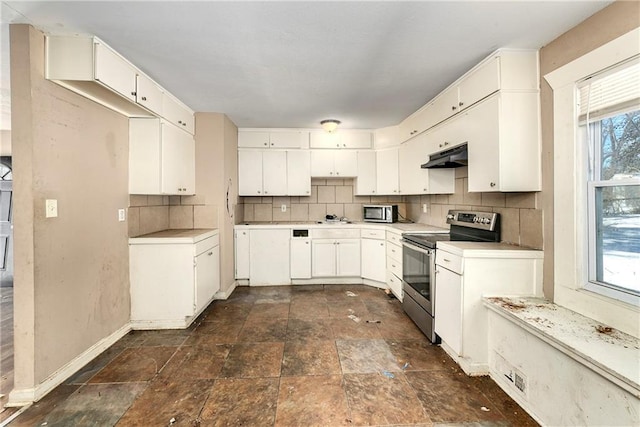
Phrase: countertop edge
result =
(185, 236)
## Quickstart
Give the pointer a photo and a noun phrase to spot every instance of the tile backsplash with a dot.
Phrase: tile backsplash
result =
(328, 196)
(520, 218)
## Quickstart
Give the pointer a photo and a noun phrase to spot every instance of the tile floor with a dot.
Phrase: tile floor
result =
(285, 356)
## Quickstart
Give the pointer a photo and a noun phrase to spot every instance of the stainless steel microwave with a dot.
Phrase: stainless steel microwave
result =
(380, 213)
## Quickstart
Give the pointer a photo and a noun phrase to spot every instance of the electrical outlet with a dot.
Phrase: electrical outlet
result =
(283, 208)
(51, 208)
(424, 208)
(121, 215)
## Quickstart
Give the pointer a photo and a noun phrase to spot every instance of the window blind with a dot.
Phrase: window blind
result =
(610, 92)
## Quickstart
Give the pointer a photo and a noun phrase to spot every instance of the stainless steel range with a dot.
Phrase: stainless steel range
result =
(419, 256)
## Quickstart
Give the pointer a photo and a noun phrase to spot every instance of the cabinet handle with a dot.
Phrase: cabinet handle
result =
(344, 145)
(265, 143)
(437, 272)
(210, 253)
(184, 123)
(393, 266)
(272, 143)
(179, 122)
(337, 173)
(460, 104)
(446, 260)
(306, 243)
(144, 98)
(330, 173)
(373, 191)
(444, 144)
(258, 191)
(424, 189)
(133, 93)
(395, 191)
(266, 192)
(493, 184)
(454, 108)
(381, 244)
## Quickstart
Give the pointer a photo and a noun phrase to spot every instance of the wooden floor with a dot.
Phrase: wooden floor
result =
(6, 349)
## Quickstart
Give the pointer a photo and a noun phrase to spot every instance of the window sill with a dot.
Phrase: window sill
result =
(607, 351)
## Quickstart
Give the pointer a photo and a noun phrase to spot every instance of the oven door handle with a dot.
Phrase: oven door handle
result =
(416, 248)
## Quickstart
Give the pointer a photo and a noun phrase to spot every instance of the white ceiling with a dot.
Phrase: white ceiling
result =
(292, 64)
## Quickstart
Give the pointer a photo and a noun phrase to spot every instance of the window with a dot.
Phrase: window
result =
(609, 120)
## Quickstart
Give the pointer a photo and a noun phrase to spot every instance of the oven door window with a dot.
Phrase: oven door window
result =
(416, 271)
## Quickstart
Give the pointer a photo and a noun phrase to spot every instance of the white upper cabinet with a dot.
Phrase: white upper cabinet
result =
(89, 67)
(334, 163)
(387, 171)
(340, 139)
(415, 180)
(114, 71)
(387, 137)
(504, 143)
(177, 113)
(417, 123)
(298, 173)
(366, 182)
(161, 158)
(149, 94)
(266, 139)
(274, 173)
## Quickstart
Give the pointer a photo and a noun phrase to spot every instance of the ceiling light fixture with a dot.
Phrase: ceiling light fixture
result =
(330, 125)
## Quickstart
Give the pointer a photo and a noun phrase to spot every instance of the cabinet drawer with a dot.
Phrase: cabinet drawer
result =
(395, 284)
(449, 261)
(333, 233)
(371, 233)
(394, 251)
(207, 244)
(394, 237)
(394, 266)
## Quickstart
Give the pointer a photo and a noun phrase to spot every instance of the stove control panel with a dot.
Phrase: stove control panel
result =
(473, 219)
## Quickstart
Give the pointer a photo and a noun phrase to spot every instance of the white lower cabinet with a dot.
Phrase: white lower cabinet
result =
(464, 274)
(336, 257)
(241, 243)
(300, 258)
(172, 278)
(394, 263)
(374, 256)
(269, 257)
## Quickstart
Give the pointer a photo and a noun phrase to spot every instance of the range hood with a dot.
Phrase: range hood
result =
(451, 158)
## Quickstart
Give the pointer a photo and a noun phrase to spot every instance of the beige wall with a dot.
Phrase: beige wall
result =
(606, 25)
(71, 272)
(5, 142)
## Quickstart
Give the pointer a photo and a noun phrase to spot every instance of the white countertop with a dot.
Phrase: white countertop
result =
(402, 227)
(174, 236)
(489, 250)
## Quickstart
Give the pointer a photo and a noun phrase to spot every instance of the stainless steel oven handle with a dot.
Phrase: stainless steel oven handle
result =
(416, 248)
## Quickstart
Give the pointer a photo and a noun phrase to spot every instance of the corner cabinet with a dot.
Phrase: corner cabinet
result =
(174, 275)
(161, 158)
(504, 143)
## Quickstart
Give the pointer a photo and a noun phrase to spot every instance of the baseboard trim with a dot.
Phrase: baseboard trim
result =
(226, 294)
(471, 369)
(26, 396)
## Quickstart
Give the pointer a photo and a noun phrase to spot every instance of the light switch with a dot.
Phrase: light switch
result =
(121, 215)
(283, 208)
(51, 208)
(424, 208)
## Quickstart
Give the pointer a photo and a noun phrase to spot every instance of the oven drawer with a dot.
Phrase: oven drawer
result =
(449, 261)
(394, 266)
(394, 251)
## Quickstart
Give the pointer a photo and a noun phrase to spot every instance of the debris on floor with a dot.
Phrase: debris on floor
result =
(373, 321)
(351, 294)
(405, 366)
(172, 421)
(354, 318)
(388, 374)
(484, 408)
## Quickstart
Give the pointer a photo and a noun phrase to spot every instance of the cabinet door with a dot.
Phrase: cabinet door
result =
(144, 156)
(323, 252)
(348, 258)
(115, 72)
(207, 275)
(248, 139)
(481, 83)
(324, 140)
(274, 173)
(269, 257)
(448, 310)
(345, 163)
(298, 173)
(322, 163)
(356, 139)
(177, 113)
(373, 259)
(412, 179)
(387, 171)
(484, 140)
(148, 94)
(408, 128)
(178, 161)
(250, 173)
(445, 105)
(241, 240)
(300, 258)
(288, 139)
(366, 179)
